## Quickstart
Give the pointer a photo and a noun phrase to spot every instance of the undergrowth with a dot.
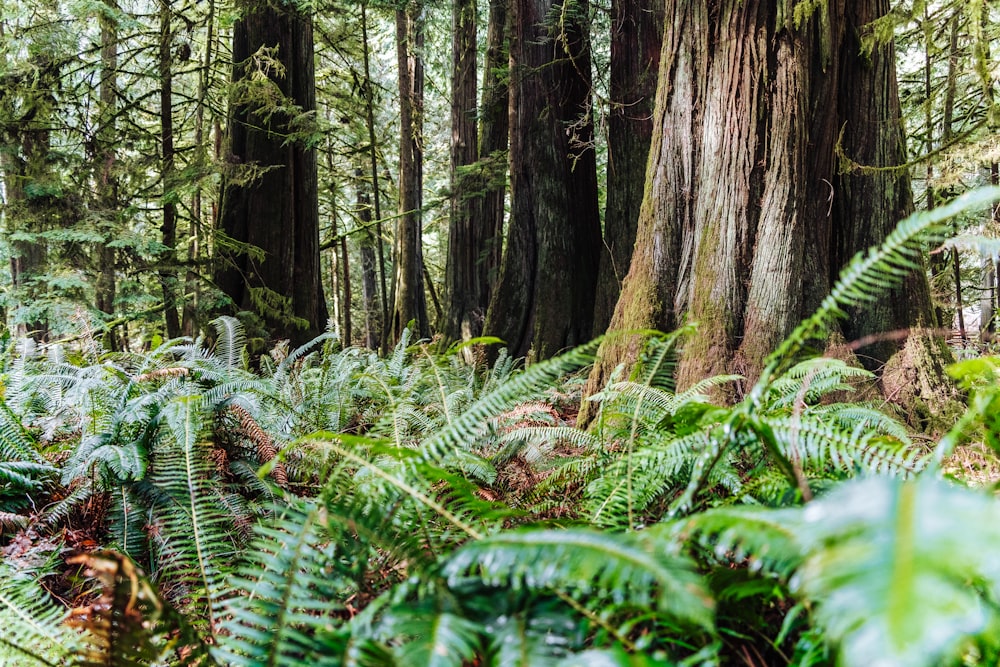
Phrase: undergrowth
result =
(191, 505)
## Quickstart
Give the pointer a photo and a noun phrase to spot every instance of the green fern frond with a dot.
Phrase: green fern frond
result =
(230, 346)
(16, 443)
(895, 572)
(285, 595)
(808, 381)
(659, 359)
(588, 561)
(816, 444)
(434, 637)
(467, 428)
(862, 417)
(762, 540)
(197, 534)
(34, 633)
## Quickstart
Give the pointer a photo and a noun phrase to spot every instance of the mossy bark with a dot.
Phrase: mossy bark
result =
(774, 159)
(270, 200)
(410, 302)
(636, 40)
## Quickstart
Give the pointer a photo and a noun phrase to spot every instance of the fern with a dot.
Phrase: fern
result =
(588, 561)
(33, 630)
(198, 540)
(285, 597)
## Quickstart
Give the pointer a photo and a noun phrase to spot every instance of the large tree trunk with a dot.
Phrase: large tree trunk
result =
(271, 203)
(636, 40)
(410, 301)
(747, 217)
(544, 300)
(465, 281)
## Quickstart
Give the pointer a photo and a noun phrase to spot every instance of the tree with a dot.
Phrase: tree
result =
(168, 273)
(789, 162)
(544, 298)
(466, 290)
(410, 304)
(636, 38)
(269, 214)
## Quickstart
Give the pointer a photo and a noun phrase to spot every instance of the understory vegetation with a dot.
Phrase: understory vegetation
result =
(193, 505)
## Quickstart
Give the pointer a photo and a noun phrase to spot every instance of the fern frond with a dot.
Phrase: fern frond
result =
(659, 359)
(435, 637)
(16, 444)
(33, 630)
(231, 343)
(649, 569)
(817, 444)
(890, 566)
(286, 597)
(197, 534)
(464, 430)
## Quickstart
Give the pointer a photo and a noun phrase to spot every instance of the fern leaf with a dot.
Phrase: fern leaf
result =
(33, 630)
(890, 565)
(231, 343)
(464, 430)
(286, 596)
(588, 561)
(436, 638)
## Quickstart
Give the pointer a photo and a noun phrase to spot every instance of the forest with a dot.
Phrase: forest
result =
(570, 333)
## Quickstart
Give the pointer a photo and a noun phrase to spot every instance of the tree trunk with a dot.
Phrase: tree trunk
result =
(369, 94)
(168, 228)
(192, 281)
(107, 182)
(465, 278)
(636, 40)
(544, 299)
(410, 302)
(747, 218)
(494, 140)
(270, 211)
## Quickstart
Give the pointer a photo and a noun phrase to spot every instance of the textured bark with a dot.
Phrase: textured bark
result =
(106, 180)
(494, 140)
(465, 278)
(369, 94)
(748, 216)
(277, 211)
(544, 299)
(410, 303)
(636, 40)
(168, 228)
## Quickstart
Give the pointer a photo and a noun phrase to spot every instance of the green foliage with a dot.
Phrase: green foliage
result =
(328, 506)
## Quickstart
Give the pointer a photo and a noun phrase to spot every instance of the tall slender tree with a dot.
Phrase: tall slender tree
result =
(544, 299)
(269, 261)
(106, 179)
(410, 303)
(466, 290)
(168, 228)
